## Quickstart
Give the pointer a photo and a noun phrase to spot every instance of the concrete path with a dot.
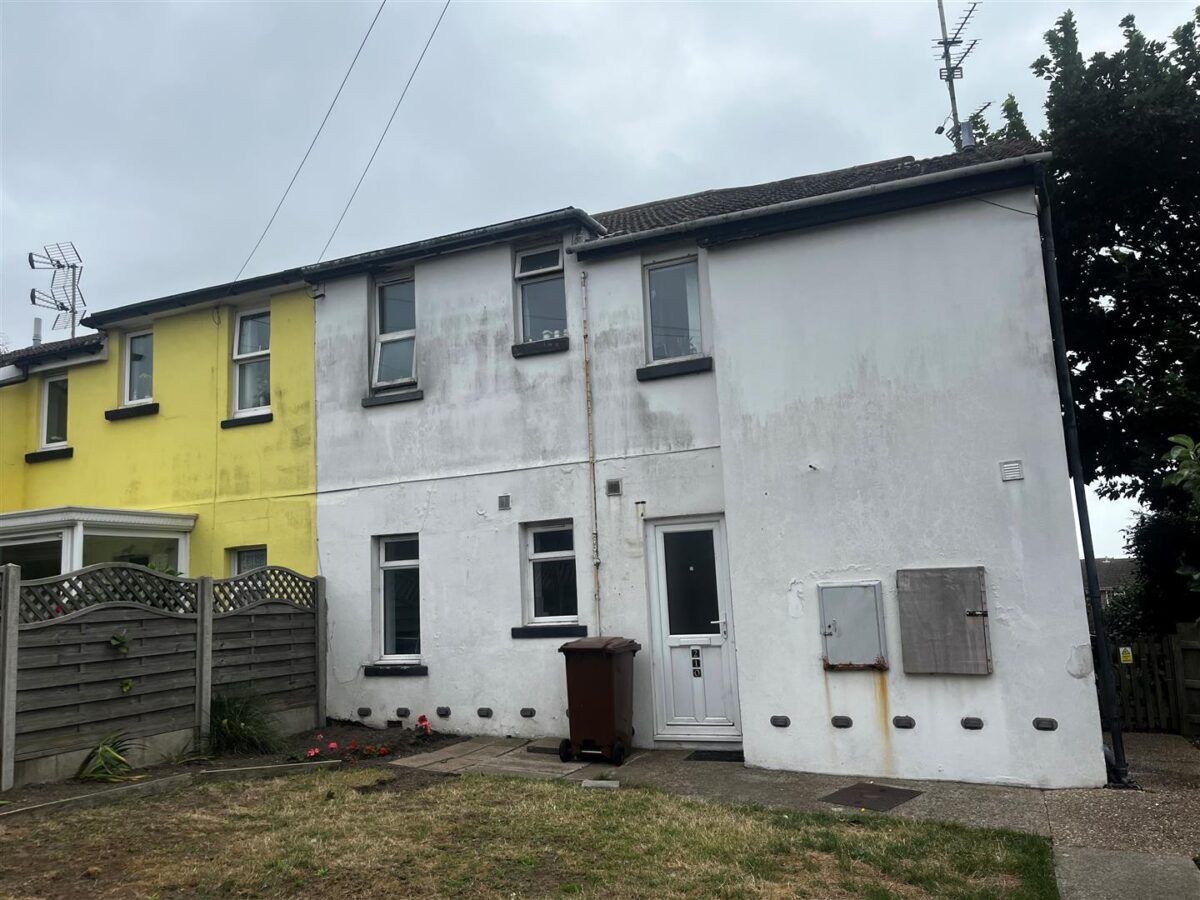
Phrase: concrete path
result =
(1087, 874)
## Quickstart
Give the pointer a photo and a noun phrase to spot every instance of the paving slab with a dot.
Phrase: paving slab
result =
(1086, 873)
(453, 751)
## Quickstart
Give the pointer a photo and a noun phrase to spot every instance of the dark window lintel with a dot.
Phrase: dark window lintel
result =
(239, 421)
(395, 671)
(671, 369)
(46, 455)
(131, 412)
(393, 397)
(549, 631)
(535, 348)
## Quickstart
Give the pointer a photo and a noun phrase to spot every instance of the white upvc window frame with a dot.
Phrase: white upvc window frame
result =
(382, 566)
(126, 399)
(44, 425)
(239, 359)
(235, 553)
(650, 265)
(534, 251)
(529, 557)
(382, 337)
(546, 273)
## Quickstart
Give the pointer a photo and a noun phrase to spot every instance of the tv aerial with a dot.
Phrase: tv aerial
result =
(952, 50)
(65, 297)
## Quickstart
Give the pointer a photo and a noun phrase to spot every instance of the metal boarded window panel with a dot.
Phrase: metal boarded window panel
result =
(852, 625)
(943, 621)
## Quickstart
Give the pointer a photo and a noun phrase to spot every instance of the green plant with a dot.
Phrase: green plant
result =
(240, 725)
(126, 685)
(120, 642)
(109, 759)
(1185, 457)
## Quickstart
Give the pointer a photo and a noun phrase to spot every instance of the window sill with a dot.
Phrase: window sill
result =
(239, 421)
(536, 348)
(46, 455)
(394, 397)
(549, 631)
(131, 412)
(395, 670)
(671, 369)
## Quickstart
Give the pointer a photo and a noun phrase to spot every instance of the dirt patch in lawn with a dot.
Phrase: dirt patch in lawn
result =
(337, 834)
(398, 740)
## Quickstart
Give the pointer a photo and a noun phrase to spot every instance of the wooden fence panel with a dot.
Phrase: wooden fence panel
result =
(268, 649)
(1187, 678)
(1160, 689)
(118, 647)
(79, 707)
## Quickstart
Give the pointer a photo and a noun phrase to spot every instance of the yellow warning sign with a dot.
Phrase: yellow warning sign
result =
(1127, 655)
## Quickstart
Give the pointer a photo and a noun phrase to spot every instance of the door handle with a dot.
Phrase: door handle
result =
(721, 622)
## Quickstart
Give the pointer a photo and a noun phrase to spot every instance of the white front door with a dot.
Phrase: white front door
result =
(695, 669)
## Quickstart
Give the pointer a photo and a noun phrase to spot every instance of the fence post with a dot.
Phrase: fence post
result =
(9, 620)
(204, 631)
(321, 611)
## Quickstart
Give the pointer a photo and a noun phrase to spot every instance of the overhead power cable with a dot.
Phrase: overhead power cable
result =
(313, 142)
(395, 109)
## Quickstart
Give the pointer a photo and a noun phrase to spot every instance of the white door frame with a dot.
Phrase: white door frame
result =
(659, 629)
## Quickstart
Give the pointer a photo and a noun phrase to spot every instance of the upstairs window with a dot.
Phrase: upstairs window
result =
(673, 310)
(54, 412)
(542, 292)
(252, 363)
(400, 587)
(551, 594)
(139, 368)
(395, 335)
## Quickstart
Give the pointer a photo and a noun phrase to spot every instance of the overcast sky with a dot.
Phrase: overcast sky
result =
(158, 137)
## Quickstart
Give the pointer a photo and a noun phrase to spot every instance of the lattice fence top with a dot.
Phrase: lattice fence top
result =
(269, 583)
(51, 598)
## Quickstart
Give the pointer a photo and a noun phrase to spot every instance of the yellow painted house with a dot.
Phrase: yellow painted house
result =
(181, 435)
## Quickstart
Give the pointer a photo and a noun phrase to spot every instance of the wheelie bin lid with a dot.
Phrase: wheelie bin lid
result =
(609, 645)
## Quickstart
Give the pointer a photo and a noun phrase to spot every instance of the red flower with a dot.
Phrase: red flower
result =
(384, 751)
(353, 744)
(423, 722)
(314, 751)
(333, 745)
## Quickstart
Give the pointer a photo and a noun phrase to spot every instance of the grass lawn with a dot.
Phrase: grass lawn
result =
(353, 834)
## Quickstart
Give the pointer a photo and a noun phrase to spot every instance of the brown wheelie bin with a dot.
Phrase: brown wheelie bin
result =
(599, 697)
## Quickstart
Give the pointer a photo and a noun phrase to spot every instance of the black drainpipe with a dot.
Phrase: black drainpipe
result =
(1110, 713)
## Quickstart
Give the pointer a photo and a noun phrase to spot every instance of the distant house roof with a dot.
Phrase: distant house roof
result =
(28, 356)
(692, 207)
(1113, 572)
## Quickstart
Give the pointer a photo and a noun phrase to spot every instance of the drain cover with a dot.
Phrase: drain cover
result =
(865, 795)
(715, 756)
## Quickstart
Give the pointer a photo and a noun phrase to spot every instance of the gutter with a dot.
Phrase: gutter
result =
(741, 215)
(1110, 710)
(451, 243)
(13, 375)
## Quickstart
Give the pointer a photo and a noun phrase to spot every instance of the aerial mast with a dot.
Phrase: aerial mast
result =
(65, 297)
(952, 64)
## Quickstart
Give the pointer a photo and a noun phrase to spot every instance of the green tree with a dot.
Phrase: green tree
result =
(1125, 187)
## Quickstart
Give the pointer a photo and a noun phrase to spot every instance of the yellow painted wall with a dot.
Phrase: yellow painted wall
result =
(249, 485)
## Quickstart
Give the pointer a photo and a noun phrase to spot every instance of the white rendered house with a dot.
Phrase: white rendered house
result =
(801, 440)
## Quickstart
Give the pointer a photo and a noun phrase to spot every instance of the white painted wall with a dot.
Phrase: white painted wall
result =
(904, 357)
(490, 424)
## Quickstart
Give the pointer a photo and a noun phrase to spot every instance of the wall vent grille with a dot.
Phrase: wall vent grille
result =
(1012, 470)
(505, 502)
(612, 487)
